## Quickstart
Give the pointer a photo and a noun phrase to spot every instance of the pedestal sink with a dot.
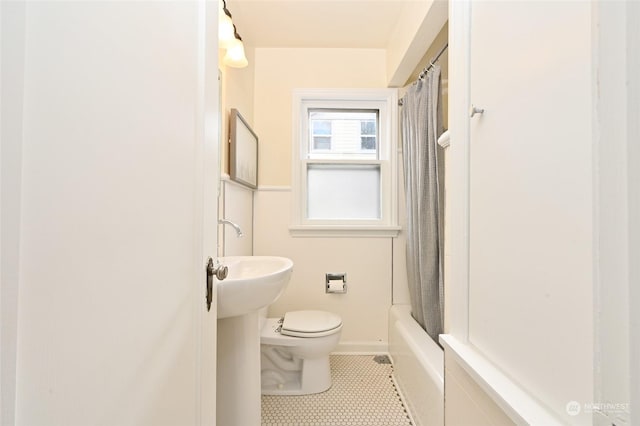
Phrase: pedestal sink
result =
(252, 283)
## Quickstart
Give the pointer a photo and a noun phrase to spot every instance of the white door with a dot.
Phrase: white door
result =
(530, 283)
(117, 214)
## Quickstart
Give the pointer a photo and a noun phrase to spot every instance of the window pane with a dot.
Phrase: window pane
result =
(321, 127)
(346, 129)
(368, 142)
(321, 142)
(343, 191)
(368, 127)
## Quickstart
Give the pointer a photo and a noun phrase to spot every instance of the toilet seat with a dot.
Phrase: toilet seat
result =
(310, 323)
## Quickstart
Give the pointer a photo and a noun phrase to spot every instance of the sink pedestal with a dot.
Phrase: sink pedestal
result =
(253, 283)
(238, 371)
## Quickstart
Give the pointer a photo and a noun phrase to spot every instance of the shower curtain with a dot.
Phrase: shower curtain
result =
(421, 120)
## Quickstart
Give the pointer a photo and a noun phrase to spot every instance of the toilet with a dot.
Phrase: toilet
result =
(294, 352)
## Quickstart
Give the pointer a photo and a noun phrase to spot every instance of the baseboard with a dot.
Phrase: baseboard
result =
(361, 348)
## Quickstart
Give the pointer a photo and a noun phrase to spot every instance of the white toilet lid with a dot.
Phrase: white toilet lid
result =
(310, 323)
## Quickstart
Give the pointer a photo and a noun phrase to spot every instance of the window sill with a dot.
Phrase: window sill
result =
(333, 231)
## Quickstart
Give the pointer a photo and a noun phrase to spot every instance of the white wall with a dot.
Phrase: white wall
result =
(400, 290)
(278, 72)
(237, 206)
(367, 261)
(415, 30)
(12, 21)
(236, 91)
(236, 201)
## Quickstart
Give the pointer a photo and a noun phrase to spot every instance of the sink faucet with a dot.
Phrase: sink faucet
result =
(234, 225)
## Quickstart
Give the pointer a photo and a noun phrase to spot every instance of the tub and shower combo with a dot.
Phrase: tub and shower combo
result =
(418, 367)
(417, 359)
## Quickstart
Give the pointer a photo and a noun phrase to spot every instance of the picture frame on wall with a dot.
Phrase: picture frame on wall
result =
(243, 151)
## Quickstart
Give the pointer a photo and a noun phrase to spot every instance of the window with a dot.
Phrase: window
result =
(344, 164)
(343, 133)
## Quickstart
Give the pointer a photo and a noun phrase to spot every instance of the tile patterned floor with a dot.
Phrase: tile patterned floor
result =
(362, 394)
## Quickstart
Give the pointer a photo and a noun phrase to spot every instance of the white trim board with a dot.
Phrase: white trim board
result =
(517, 404)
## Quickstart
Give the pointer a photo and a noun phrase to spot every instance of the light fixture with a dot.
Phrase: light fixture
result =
(235, 56)
(225, 26)
(228, 38)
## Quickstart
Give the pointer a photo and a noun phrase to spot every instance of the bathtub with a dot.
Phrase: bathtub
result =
(418, 367)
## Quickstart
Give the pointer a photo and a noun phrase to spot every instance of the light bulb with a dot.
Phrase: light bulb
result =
(225, 29)
(235, 56)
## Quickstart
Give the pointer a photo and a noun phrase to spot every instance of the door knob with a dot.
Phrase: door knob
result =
(214, 270)
(475, 110)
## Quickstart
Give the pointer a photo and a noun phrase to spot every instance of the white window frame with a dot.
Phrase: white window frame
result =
(384, 100)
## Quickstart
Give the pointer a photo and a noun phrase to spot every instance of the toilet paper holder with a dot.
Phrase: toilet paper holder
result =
(336, 283)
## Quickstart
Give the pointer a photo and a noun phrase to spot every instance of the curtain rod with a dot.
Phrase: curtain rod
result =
(433, 61)
(431, 64)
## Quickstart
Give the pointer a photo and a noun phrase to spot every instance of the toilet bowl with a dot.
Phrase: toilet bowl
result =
(294, 352)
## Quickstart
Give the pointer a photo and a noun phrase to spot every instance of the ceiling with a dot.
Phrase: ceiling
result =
(316, 24)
